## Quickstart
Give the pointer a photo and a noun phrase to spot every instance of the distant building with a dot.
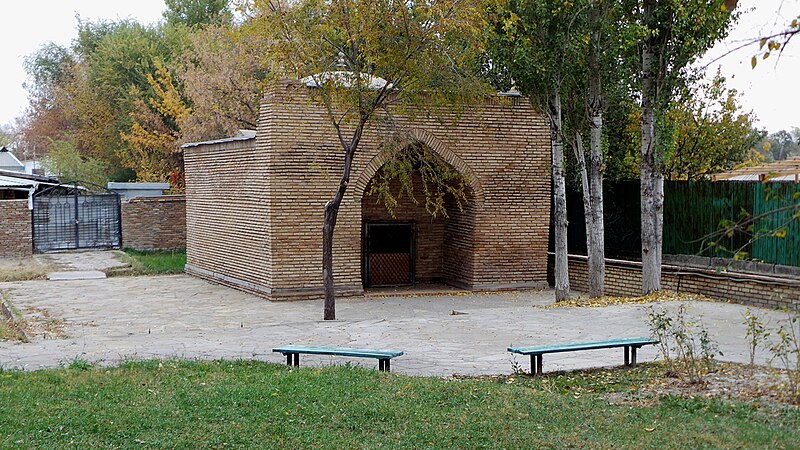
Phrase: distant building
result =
(9, 162)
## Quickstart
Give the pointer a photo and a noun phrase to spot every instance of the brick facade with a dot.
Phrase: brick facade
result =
(16, 236)
(624, 278)
(154, 223)
(254, 207)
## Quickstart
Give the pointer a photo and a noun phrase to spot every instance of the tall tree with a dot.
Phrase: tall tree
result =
(675, 33)
(538, 43)
(223, 74)
(365, 58)
(709, 132)
(195, 13)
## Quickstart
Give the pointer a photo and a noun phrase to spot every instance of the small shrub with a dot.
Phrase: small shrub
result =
(687, 349)
(757, 334)
(786, 351)
(80, 365)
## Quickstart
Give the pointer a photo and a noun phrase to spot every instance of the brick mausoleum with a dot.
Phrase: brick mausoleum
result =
(254, 203)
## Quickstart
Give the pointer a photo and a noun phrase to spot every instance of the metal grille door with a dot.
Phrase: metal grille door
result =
(72, 218)
(388, 254)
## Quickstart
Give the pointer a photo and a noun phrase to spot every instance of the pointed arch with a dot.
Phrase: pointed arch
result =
(427, 138)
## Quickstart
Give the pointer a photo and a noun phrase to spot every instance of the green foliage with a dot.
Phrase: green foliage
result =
(66, 163)
(710, 132)
(440, 181)
(246, 404)
(780, 145)
(757, 334)
(194, 13)
(685, 345)
(367, 56)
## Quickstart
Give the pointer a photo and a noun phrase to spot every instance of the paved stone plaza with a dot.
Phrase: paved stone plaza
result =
(106, 321)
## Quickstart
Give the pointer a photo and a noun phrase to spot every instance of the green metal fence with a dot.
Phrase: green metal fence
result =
(695, 210)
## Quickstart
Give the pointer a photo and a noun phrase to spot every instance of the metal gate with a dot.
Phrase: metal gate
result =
(74, 217)
(388, 254)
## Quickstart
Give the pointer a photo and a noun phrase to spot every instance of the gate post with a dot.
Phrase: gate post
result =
(77, 216)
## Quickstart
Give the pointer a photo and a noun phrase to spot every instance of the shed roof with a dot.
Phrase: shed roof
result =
(10, 162)
(241, 135)
(787, 170)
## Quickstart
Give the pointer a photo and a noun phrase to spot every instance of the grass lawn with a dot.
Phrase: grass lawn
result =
(173, 404)
(154, 262)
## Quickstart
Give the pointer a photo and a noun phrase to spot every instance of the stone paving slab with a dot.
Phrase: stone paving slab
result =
(76, 275)
(121, 318)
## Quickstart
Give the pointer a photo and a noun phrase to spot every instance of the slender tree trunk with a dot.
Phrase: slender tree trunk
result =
(652, 182)
(328, 226)
(596, 249)
(559, 200)
(580, 157)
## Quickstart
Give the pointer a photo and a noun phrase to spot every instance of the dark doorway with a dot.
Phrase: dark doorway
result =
(388, 254)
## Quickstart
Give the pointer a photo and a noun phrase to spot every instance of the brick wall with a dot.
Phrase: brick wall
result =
(624, 278)
(269, 195)
(154, 223)
(16, 236)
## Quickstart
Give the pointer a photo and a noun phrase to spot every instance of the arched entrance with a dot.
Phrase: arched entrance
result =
(409, 246)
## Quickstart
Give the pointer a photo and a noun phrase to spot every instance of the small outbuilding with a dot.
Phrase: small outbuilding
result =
(254, 202)
(9, 162)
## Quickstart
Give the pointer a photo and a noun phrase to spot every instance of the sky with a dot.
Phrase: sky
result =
(771, 90)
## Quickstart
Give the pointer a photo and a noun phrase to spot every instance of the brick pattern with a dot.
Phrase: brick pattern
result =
(16, 235)
(624, 278)
(254, 208)
(431, 233)
(157, 223)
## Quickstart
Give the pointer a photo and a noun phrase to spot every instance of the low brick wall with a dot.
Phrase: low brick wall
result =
(16, 236)
(157, 223)
(624, 278)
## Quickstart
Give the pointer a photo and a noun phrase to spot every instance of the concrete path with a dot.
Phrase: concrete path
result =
(120, 318)
(83, 261)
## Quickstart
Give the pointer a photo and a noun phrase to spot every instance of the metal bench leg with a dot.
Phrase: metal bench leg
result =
(633, 356)
(384, 365)
(627, 356)
(536, 364)
(289, 358)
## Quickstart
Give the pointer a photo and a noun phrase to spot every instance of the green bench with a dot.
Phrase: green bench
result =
(293, 352)
(631, 345)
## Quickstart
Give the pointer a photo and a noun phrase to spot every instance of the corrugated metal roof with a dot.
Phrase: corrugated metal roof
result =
(242, 135)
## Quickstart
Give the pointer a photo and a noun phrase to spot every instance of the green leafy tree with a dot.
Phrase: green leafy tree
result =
(65, 162)
(194, 13)
(538, 43)
(710, 132)
(365, 59)
(781, 145)
(675, 33)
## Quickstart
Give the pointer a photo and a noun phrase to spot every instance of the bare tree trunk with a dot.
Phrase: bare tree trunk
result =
(597, 253)
(595, 236)
(652, 182)
(559, 200)
(580, 157)
(328, 226)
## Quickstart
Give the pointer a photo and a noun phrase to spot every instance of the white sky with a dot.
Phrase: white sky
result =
(771, 90)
